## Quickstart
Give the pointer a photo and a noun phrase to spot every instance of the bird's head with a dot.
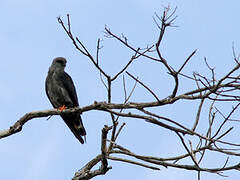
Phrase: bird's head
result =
(59, 62)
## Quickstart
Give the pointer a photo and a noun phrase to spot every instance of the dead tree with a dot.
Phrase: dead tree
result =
(210, 92)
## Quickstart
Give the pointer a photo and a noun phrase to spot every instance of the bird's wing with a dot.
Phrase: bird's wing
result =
(70, 88)
(57, 92)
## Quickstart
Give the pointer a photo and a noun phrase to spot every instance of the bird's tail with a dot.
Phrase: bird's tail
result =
(74, 122)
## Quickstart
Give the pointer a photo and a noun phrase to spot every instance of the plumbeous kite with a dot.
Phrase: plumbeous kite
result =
(62, 94)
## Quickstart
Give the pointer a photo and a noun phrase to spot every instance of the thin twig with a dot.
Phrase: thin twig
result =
(136, 79)
(189, 57)
(133, 162)
(198, 115)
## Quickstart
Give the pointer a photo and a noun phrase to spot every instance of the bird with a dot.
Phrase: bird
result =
(61, 92)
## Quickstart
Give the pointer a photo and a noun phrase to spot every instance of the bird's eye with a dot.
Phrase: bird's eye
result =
(61, 62)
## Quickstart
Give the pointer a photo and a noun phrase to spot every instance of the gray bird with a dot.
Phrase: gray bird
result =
(62, 93)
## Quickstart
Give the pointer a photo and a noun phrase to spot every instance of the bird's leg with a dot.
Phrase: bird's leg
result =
(61, 108)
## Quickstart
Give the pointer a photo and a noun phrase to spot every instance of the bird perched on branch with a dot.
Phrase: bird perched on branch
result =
(62, 94)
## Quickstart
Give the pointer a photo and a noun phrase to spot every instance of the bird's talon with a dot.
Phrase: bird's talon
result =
(62, 108)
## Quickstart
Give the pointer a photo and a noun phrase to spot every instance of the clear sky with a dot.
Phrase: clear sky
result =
(30, 37)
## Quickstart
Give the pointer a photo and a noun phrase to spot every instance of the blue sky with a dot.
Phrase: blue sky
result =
(30, 38)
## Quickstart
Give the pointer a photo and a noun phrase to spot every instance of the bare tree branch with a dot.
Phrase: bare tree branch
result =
(208, 92)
